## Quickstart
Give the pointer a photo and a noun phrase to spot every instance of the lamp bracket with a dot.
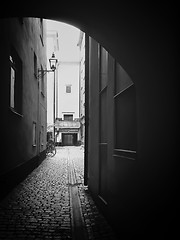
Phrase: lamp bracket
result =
(41, 72)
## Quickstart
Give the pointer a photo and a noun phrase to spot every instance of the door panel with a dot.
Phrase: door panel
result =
(103, 124)
(67, 139)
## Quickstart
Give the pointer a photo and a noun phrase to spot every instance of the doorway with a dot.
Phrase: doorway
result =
(69, 139)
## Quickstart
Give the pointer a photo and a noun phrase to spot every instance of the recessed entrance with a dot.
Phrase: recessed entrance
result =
(69, 139)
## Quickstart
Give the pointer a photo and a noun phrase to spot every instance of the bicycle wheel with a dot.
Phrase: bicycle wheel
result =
(49, 154)
(53, 152)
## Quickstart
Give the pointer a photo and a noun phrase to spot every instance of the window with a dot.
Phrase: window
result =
(41, 29)
(35, 65)
(12, 103)
(103, 84)
(15, 82)
(68, 88)
(68, 117)
(34, 135)
(103, 67)
(125, 115)
(125, 123)
(42, 136)
(42, 81)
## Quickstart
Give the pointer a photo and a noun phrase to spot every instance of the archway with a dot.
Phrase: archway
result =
(143, 41)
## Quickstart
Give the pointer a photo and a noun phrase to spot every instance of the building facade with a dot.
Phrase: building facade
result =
(112, 137)
(66, 88)
(68, 130)
(67, 123)
(52, 81)
(81, 45)
(23, 50)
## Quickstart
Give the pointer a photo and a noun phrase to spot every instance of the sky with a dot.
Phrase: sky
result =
(68, 39)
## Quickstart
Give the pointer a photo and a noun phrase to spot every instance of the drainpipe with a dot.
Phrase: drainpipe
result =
(38, 121)
(54, 105)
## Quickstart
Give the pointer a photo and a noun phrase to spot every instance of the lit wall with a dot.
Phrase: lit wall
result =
(68, 102)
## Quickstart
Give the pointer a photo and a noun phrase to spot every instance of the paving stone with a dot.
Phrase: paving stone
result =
(39, 207)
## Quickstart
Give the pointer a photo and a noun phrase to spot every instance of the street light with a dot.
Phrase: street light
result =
(53, 63)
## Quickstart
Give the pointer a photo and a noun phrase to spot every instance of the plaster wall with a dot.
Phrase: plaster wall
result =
(69, 102)
(25, 36)
(133, 190)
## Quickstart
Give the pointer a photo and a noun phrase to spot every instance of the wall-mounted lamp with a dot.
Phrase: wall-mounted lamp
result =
(53, 62)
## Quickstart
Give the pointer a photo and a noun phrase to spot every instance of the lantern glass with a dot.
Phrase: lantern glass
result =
(53, 62)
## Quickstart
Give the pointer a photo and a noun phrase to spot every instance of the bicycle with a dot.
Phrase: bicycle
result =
(50, 149)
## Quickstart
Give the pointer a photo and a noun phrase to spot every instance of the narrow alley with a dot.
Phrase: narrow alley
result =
(53, 203)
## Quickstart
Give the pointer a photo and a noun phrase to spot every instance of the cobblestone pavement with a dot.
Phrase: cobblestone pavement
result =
(40, 206)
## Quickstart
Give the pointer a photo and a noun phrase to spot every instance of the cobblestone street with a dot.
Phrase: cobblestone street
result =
(45, 205)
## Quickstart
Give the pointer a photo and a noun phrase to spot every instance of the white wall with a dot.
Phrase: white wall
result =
(67, 73)
(68, 102)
